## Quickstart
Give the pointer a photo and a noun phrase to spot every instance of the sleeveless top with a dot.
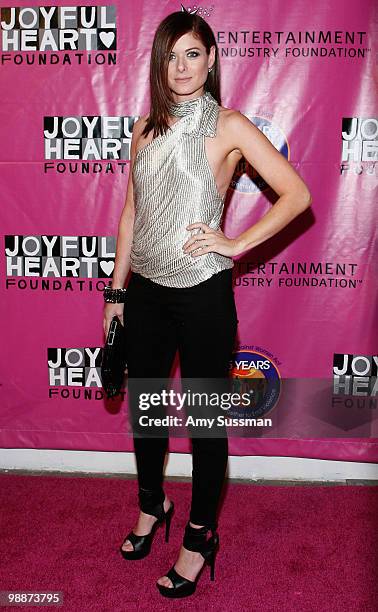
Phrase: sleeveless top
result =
(173, 187)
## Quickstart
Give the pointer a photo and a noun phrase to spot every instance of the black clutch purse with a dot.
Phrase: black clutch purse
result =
(114, 358)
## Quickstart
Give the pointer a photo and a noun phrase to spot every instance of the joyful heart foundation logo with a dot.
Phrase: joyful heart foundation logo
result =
(60, 256)
(355, 374)
(58, 28)
(87, 137)
(75, 373)
(75, 367)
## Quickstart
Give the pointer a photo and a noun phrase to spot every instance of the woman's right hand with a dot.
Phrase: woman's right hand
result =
(111, 310)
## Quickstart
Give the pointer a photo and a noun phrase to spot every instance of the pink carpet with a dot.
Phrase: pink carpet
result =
(282, 548)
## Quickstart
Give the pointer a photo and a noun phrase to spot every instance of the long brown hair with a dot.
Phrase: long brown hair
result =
(168, 32)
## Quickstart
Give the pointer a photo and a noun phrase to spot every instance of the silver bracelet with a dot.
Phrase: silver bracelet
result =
(114, 296)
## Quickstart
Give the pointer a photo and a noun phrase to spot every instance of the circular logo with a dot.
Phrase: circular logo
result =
(246, 179)
(253, 374)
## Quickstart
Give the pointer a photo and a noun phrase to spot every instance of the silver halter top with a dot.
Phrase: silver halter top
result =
(173, 187)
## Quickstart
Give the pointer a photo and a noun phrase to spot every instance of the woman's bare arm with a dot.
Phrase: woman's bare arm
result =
(272, 166)
(243, 136)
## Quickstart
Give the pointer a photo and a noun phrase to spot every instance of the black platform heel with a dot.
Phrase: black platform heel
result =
(150, 502)
(195, 540)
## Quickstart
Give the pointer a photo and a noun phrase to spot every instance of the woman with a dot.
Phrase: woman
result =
(180, 296)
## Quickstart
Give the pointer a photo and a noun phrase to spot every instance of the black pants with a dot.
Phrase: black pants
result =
(200, 322)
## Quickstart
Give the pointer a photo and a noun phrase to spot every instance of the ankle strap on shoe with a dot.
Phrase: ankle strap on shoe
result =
(195, 537)
(151, 501)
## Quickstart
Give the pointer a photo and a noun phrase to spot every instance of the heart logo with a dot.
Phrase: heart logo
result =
(107, 267)
(107, 38)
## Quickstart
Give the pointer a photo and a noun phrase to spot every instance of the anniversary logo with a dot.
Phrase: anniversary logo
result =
(254, 371)
(359, 152)
(73, 30)
(43, 260)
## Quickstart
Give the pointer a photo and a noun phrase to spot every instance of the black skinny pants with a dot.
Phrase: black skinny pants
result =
(200, 322)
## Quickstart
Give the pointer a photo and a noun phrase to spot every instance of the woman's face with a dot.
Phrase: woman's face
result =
(188, 67)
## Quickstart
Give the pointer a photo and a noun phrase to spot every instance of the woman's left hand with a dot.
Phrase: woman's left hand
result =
(209, 240)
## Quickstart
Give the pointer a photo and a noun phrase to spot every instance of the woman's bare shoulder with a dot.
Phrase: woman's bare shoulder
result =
(228, 121)
(226, 115)
(138, 139)
(232, 122)
(139, 124)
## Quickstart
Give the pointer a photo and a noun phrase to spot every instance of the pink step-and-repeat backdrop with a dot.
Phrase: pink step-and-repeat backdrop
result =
(73, 81)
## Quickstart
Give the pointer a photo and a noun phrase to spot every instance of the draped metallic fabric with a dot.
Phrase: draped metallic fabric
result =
(173, 187)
